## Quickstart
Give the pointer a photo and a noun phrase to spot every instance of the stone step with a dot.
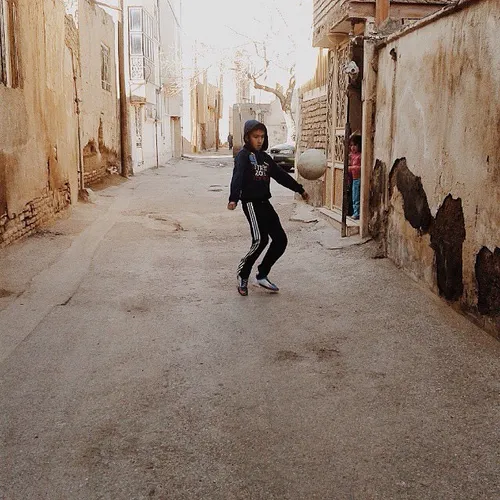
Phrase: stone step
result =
(336, 216)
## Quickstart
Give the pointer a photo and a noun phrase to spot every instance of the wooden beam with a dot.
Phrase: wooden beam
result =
(382, 11)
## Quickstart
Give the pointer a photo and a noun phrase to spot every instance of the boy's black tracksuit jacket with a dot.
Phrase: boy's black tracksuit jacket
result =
(253, 171)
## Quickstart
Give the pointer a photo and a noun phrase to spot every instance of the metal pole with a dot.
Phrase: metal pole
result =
(217, 122)
(156, 131)
(126, 154)
(81, 167)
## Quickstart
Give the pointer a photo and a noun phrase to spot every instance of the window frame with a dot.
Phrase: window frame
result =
(143, 37)
(105, 67)
(10, 73)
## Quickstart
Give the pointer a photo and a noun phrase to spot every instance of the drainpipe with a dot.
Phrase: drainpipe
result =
(158, 89)
(156, 128)
(368, 127)
(81, 176)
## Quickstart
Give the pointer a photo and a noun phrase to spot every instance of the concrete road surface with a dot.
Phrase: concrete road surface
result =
(130, 368)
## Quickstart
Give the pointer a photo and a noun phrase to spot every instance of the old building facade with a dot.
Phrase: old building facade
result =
(97, 89)
(38, 124)
(206, 111)
(154, 80)
(100, 117)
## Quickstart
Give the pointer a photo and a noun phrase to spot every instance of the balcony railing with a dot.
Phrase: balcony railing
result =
(141, 69)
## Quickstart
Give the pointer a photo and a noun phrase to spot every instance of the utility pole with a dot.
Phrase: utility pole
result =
(217, 122)
(126, 154)
(219, 108)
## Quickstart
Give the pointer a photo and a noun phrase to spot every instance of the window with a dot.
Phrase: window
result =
(143, 28)
(105, 68)
(9, 57)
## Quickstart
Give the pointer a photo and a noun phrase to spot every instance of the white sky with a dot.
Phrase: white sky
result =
(215, 24)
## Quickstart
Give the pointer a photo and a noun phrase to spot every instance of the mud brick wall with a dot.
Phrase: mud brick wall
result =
(98, 164)
(94, 176)
(314, 124)
(36, 213)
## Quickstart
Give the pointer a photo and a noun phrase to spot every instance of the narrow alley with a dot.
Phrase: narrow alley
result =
(130, 368)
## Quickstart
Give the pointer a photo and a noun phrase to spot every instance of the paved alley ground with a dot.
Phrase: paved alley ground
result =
(130, 368)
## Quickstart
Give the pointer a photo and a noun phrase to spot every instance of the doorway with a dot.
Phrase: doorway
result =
(344, 105)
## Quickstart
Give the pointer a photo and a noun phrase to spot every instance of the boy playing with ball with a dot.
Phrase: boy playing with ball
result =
(253, 169)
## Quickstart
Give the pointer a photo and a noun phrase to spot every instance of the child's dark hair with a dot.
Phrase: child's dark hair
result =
(356, 141)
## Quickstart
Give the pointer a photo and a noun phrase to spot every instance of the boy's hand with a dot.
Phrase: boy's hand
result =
(231, 205)
(305, 196)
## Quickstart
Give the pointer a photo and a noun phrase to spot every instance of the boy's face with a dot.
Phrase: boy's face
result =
(257, 139)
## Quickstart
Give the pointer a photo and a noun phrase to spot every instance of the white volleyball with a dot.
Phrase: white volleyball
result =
(312, 164)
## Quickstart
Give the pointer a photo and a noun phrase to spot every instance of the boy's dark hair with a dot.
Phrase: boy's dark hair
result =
(356, 140)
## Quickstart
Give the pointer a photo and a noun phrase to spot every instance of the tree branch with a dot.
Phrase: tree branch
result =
(259, 86)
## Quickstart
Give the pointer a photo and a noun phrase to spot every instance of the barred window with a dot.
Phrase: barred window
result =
(105, 68)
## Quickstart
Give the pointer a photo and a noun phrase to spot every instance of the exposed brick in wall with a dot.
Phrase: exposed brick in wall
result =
(98, 160)
(314, 126)
(37, 212)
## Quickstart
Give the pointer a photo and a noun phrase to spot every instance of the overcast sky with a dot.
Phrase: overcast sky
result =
(220, 25)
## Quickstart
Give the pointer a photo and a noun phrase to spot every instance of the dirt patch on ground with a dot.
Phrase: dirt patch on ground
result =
(287, 356)
(108, 181)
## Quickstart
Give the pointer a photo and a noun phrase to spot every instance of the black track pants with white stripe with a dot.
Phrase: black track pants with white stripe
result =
(264, 224)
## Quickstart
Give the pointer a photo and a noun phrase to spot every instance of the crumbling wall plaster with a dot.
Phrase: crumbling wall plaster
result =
(436, 108)
(99, 118)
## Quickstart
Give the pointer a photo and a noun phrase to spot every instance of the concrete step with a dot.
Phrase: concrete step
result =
(336, 216)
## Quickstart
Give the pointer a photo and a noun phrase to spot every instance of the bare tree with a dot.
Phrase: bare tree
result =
(284, 93)
(276, 55)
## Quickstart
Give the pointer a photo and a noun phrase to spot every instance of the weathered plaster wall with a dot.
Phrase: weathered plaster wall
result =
(436, 142)
(99, 118)
(38, 127)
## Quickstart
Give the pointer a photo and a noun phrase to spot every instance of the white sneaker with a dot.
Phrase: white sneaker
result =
(265, 283)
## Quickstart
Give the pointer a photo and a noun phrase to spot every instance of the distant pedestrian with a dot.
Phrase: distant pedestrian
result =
(252, 174)
(230, 140)
(355, 173)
